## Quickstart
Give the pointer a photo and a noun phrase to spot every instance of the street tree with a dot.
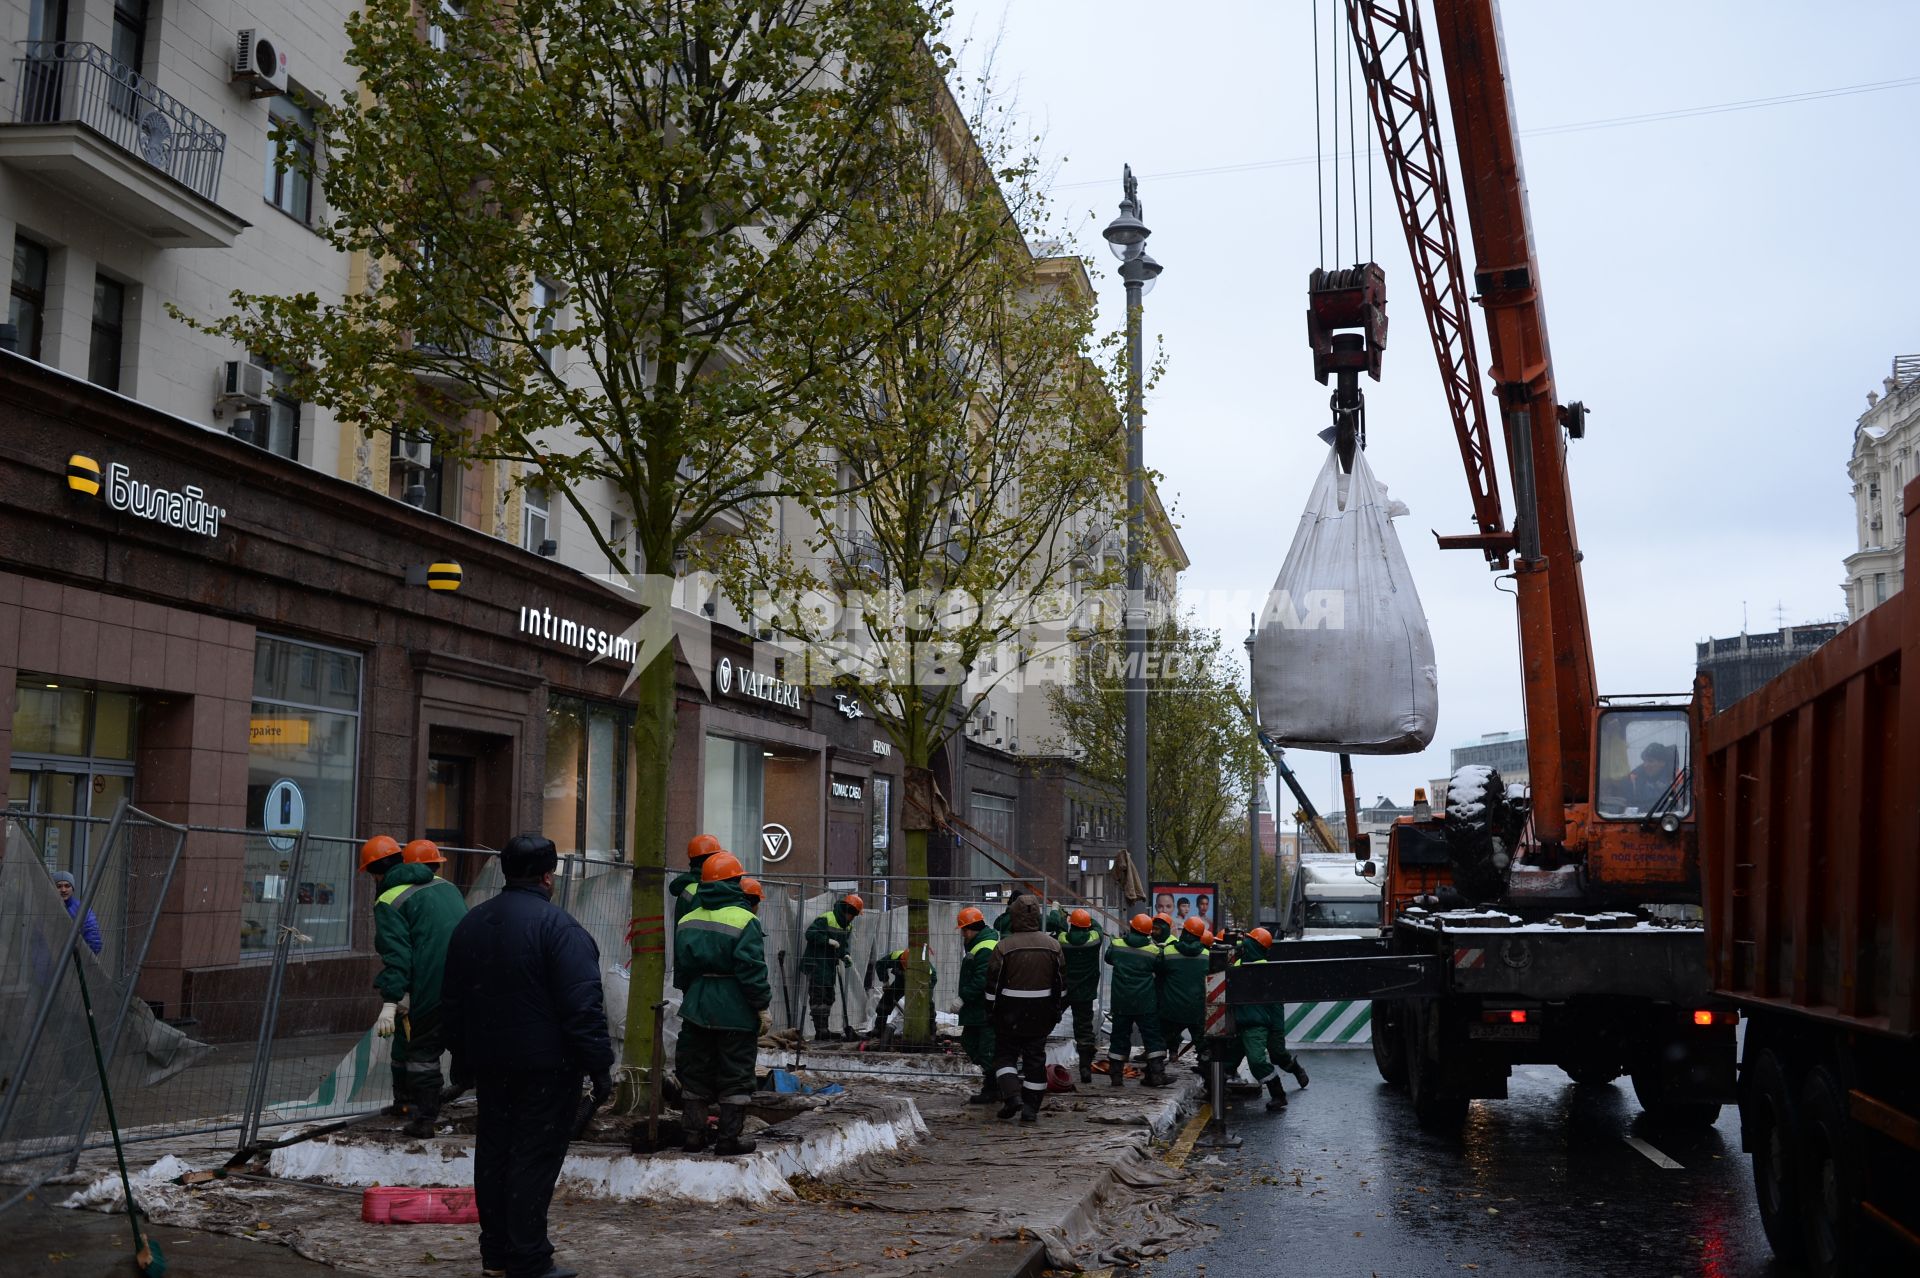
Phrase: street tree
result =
(599, 248)
(1203, 755)
(980, 438)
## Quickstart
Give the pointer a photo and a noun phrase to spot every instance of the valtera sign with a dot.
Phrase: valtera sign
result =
(759, 687)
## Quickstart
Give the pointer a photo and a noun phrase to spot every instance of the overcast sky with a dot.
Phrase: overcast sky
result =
(1722, 291)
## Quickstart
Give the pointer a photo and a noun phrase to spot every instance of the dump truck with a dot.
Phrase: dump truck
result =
(1810, 851)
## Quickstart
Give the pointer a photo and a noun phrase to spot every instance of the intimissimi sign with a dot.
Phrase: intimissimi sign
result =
(564, 632)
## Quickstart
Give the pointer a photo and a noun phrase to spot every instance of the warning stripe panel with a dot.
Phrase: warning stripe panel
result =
(1346, 1022)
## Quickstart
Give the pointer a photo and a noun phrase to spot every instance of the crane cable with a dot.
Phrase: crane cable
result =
(1319, 164)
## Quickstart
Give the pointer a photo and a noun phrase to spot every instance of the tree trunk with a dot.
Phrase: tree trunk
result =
(919, 1025)
(655, 720)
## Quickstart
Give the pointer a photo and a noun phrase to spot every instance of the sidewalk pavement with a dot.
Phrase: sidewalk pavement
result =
(42, 1240)
(1082, 1182)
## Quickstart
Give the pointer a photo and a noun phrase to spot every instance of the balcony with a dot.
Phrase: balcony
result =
(100, 132)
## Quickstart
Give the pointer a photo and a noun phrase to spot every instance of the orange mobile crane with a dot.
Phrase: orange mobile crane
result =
(1559, 926)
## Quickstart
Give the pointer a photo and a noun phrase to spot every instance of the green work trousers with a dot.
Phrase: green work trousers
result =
(977, 1042)
(716, 1065)
(1120, 1043)
(1170, 1032)
(1266, 1051)
(1083, 1035)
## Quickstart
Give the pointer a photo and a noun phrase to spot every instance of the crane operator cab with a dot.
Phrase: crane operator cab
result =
(1642, 758)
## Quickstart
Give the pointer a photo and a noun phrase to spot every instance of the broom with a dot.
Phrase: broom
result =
(146, 1252)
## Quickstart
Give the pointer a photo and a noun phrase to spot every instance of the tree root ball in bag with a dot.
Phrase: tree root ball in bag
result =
(1343, 660)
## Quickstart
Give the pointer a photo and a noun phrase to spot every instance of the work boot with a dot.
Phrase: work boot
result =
(1157, 1074)
(987, 1094)
(1030, 1113)
(1086, 1065)
(421, 1127)
(1277, 1093)
(1116, 1072)
(398, 1109)
(733, 1118)
(693, 1121)
(1298, 1071)
(1009, 1095)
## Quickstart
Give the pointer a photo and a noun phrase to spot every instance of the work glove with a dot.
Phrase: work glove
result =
(383, 1027)
(846, 960)
(954, 1007)
(833, 945)
(602, 1089)
(766, 1023)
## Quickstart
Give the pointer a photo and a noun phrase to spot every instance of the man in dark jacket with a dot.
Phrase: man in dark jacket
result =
(90, 926)
(720, 968)
(1080, 946)
(829, 949)
(1135, 993)
(975, 1006)
(413, 918)
(527, 1021)
(892, 971)
(1027, 981)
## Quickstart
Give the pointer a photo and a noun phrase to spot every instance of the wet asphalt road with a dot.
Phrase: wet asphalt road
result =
(1545, 1182)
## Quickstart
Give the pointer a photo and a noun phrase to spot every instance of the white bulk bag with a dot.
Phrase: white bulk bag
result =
(1343, 660)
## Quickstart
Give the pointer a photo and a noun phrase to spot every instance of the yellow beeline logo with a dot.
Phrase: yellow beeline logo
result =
(83, 475)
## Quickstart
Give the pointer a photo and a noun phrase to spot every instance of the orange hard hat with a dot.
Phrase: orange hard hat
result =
(721, 865)
(702, 845)
(751, 886)
(971, 916)
(1209, 938)
(852, 900)
(1164, 917)
(1079, 918)
(378, 848)
(423, 852)
(1261, 935)
(1142, 924)
(1194, 926)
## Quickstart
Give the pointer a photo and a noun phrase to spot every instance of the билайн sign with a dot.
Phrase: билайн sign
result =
(188, 510)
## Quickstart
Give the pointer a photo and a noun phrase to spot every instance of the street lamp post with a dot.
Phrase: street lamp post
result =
(1127, 236)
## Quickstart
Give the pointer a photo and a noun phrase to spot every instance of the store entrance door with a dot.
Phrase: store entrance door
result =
(469, 796)
(62, 795)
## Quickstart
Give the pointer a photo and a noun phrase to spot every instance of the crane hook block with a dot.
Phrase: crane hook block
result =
(1349, 299)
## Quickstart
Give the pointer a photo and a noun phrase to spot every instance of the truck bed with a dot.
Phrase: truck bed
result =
(1494, 955)
(1810, 828)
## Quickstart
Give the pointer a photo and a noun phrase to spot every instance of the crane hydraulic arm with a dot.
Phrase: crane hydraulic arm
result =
(1556, 643)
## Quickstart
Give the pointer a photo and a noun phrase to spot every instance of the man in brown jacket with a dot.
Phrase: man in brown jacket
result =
(1027, 987)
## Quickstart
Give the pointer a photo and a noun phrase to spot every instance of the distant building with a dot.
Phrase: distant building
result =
(1504, 752)
(1884, 442)
(1742, 663)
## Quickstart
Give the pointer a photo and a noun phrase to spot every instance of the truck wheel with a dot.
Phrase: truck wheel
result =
(1671, 1113)
(1590, 1075)
(1830, 1188)
(1389, 1051)
(1772, 1121)
(1435, 1111)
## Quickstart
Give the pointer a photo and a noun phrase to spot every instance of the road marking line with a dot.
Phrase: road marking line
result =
(1183, 1144)
(1654, 1156)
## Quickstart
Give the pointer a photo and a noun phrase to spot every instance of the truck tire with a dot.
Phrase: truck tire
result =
(1830, 1185)
(1434, 1110)
(1671, 1113)
(1481, 830)
(1389, 1046)
(1771, 1121)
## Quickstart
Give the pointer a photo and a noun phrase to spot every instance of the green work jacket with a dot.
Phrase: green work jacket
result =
(1135, 961)
(1081, 948)
(720, 960)
(1183, 987)
(975, 1007)
(413, 918)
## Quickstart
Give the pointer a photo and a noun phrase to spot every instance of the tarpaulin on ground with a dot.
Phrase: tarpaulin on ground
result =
(1343, 660)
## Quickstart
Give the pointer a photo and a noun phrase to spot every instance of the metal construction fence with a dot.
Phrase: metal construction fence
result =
(285, 1035)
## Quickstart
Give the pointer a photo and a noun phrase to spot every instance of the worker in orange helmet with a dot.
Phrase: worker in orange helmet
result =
(1263, 1033)
(1183, 989)
(413, 918)
(423, 852)
(720, 967)
(754, 892)
(1080, 945)
(976, 1005)
(1135, 994)
(683, 885)
(829, 952)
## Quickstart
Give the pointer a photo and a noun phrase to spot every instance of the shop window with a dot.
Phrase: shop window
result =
(584, 799)
(993, 817)
(303, 760)
(882, 788)
(734, 797)
(72, 764)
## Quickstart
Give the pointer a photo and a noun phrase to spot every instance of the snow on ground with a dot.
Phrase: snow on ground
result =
(106, 1194)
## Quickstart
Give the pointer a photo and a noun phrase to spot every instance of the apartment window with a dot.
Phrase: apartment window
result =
(129, 51)
(289, 187)
(534, 505)
(619, 532)
(1879, 587)
(27, 308)
(440, 27)
(109, 320)
(282, 418)
(546, 302)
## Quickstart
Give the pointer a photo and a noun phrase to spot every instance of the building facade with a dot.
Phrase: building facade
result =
(1505, 752)
(1743, 662)
(1885, 440)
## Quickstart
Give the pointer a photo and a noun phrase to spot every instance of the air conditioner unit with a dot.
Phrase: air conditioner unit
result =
(243, 382)
(1099, 831)
(1086, 828)
(412, 452)
(259, 64)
